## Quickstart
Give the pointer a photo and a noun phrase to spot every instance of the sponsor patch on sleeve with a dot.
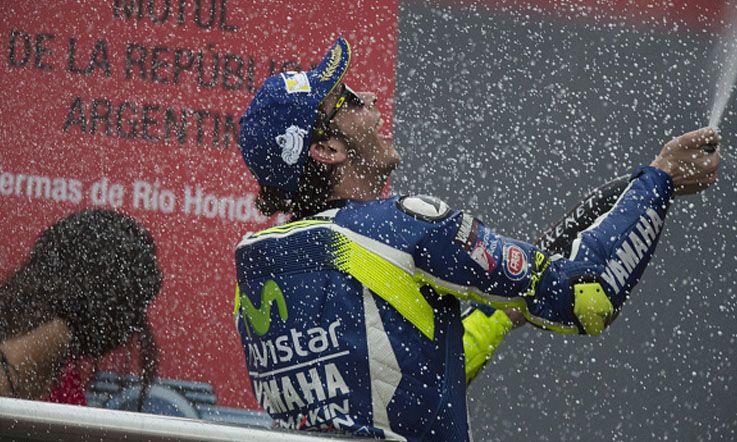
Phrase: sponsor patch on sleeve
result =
(467, 233)
(483, 255)
(424, 207)
(541, 264)
(479, 242)
(514, 262)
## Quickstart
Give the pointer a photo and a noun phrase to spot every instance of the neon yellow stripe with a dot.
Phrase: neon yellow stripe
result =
(237, 309)
(517, 303)
(402, 290)
(562, 329)
(388, 281)
(289, 227)
(237, 302)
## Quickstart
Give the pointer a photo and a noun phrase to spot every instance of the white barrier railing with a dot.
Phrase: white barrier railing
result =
(41, 421)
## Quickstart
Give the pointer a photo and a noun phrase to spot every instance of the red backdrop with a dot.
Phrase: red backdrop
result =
(134, 104)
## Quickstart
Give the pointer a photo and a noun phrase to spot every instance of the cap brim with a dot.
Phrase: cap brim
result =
(331, 70)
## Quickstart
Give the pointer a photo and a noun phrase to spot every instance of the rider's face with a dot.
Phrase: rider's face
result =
(359, 125)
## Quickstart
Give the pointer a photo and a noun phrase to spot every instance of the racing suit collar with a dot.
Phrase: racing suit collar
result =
(327, 207)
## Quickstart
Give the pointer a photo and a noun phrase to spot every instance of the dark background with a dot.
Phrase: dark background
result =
(514, 117)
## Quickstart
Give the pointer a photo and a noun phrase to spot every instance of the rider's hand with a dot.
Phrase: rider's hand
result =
(691, 168)
(516, 316)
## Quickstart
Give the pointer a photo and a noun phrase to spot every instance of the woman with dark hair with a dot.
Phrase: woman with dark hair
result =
(83, 291)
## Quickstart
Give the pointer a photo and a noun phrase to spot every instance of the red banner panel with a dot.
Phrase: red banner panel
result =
(134, 105)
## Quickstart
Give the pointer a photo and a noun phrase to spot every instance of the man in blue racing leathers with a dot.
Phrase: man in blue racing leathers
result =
(350, 314)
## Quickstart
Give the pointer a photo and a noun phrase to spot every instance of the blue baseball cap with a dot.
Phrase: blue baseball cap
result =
(276, 129)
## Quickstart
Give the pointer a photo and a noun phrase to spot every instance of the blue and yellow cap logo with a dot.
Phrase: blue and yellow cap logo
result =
(332, 69)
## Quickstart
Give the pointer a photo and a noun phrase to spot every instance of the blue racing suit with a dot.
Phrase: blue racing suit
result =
(351, 321)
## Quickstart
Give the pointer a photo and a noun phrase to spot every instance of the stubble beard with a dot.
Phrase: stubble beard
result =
(375, 168)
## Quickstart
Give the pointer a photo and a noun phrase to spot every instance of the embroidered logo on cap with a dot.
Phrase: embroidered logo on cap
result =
(291, 142)
(296, 82)
(335, 55)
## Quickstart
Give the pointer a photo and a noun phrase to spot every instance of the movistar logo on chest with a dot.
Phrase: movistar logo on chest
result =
(260, 319)
(294, 344)
(633, 250)
(298, 370)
